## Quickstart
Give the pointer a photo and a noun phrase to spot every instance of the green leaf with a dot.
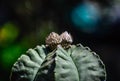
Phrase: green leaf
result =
(78, 64)
(28, 64)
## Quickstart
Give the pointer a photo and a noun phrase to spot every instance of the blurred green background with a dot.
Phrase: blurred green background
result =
(26, 23)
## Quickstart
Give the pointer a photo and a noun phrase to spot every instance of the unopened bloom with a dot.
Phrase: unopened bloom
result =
(66, 39)
(53, 40)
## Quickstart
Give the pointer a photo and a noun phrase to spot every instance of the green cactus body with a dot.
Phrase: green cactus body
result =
(73, 64)
(59, 61)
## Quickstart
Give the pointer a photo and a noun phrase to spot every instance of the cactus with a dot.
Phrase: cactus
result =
(59, 61)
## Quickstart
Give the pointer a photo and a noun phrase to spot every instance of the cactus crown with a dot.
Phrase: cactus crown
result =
(54, 39)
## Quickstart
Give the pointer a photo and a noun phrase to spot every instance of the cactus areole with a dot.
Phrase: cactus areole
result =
(59, 60)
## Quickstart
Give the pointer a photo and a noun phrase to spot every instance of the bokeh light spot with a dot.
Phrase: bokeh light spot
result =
(114, 13)
(86, 17)
(8, 33)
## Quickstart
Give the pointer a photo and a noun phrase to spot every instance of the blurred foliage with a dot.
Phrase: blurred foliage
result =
(10, 55)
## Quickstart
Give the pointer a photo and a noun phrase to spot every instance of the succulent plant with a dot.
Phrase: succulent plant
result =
(74, 63)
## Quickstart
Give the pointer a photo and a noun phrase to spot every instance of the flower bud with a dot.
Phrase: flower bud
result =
(53, 40)
(66, 39)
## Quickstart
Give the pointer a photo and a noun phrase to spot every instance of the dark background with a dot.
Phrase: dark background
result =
(26, 23)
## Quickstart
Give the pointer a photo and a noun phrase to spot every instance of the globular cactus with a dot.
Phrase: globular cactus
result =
(63, 62)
